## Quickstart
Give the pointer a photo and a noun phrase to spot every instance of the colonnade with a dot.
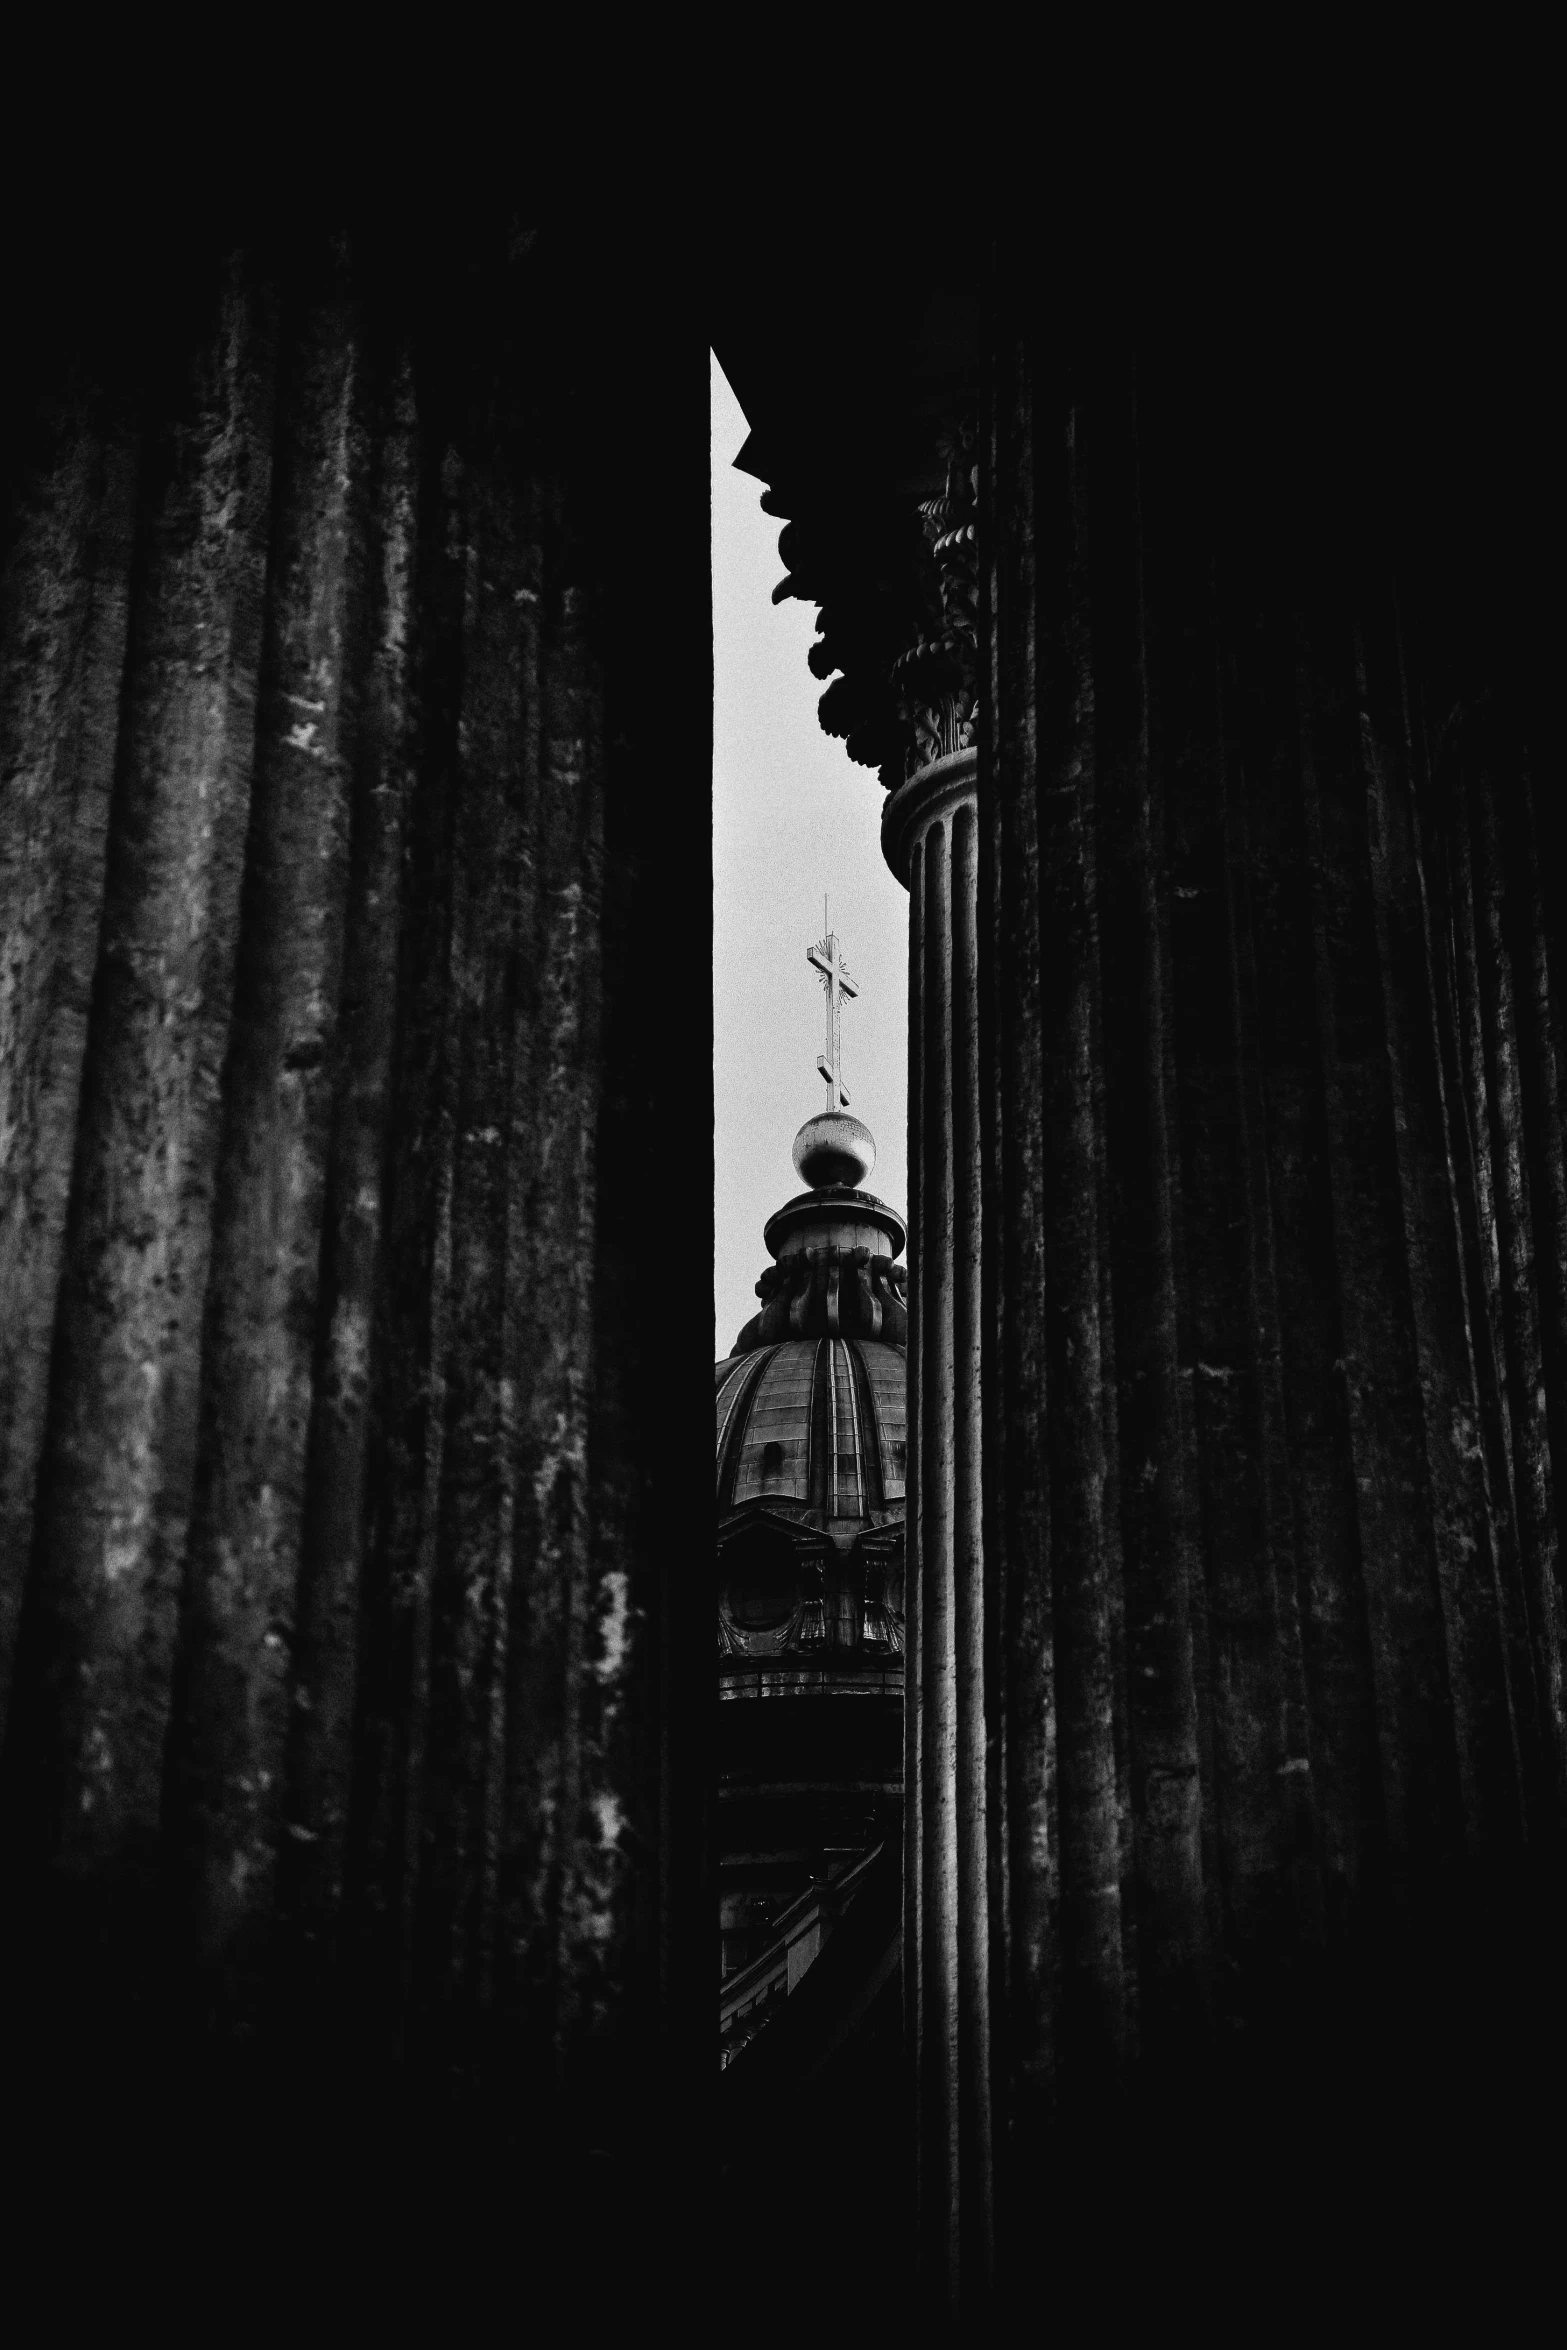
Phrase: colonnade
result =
(1236, 1337)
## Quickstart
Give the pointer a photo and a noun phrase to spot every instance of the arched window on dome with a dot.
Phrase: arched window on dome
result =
(761, 1577)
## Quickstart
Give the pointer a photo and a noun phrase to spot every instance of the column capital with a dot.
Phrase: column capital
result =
(939, 785)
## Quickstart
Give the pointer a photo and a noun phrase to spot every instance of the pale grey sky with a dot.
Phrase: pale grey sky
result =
(791, 818)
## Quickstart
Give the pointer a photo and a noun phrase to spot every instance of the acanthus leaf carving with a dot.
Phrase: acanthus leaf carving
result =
(937, 678)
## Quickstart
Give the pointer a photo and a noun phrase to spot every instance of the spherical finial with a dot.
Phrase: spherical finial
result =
(834, 1149)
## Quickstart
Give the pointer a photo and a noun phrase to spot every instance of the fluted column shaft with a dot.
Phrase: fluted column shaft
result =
(350, 1700)
(931, 839)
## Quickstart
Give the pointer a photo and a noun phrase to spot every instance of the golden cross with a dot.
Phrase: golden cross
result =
(827, 955)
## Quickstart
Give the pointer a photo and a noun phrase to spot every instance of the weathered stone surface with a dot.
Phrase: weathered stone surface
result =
(357, 1713)
(1268, 1220)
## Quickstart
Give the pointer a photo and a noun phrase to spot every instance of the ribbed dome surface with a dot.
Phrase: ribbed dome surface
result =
(815, 1425)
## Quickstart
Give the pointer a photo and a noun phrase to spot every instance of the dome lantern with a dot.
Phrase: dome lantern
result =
(836, 1245)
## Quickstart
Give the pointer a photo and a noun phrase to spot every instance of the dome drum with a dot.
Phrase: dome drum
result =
(789, 1596)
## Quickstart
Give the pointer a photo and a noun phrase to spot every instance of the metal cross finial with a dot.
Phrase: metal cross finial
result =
(827, 955)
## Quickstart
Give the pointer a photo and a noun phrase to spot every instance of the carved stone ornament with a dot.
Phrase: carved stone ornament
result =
(937, 679)
(896, 586)
(830, 1292)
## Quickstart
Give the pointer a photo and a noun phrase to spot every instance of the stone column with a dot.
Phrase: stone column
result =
(930, 835)
(360, 1725)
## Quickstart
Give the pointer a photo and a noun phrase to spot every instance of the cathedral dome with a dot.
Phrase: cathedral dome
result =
(810, 1469)
(817, 1427)
(812, 1425)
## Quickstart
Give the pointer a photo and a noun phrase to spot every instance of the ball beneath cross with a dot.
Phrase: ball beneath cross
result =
(834, 1149)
